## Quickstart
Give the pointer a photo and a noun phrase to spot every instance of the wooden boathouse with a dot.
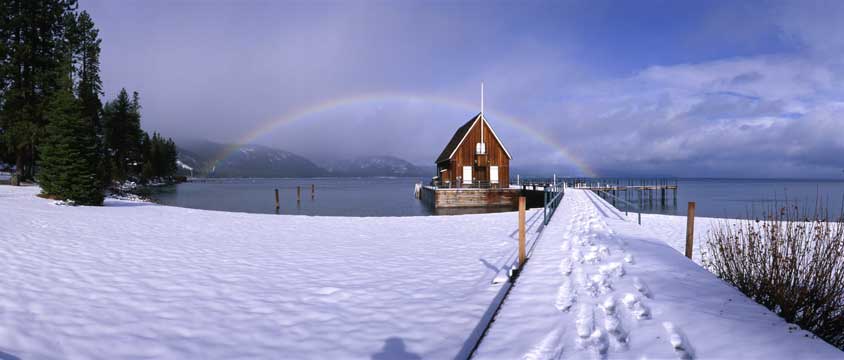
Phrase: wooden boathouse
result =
(474, 158)
(473, 170)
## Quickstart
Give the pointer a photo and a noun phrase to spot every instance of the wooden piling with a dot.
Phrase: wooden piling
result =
(522, 252)
(313, 190)
(276, 199)
(298, 194)
(690, 229)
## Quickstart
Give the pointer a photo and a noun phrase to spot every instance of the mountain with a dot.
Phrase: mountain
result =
(212, 159)
(202, 158)
(376, 166)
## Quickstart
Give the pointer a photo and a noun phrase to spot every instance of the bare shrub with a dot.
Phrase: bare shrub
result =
(792, 265)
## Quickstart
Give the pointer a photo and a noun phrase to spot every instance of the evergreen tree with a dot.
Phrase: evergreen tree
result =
(115, 131)
(69, 157)
(148, 170)
(33, 45)
(159, 160)
(85, 43)
(170, 157)
(135, 136)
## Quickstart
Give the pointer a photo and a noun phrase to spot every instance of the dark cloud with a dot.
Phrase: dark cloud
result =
(691, 89)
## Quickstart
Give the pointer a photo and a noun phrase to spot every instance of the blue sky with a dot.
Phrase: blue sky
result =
(712, 88)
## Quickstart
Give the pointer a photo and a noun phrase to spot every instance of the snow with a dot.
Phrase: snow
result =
(672, 230)
(598, 285)
(183, 165)
(139, 280)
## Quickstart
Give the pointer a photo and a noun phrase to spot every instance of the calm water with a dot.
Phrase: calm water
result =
(737, 198)
(394, 196)
(332, 197)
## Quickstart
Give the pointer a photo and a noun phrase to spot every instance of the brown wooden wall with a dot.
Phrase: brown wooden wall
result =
(465, 156)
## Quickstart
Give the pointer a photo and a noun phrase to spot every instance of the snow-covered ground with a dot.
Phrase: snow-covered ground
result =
(672, 230)
(600, 286)
(138, 280)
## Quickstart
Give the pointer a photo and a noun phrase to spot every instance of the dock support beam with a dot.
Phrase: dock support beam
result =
(522, 251)
(690, 229)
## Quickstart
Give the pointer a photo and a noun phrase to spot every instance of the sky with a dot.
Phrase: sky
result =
(677, 88)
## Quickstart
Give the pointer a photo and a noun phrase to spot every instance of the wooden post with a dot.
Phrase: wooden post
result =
(298, 194)
(313, 189)
(522, 253)
(276, 199)
(690, 229)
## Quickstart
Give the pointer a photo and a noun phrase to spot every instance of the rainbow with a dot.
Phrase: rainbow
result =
(321, 107)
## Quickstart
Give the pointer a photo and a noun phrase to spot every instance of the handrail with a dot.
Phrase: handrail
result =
(626, 203)
(477, 184)
(552, 195)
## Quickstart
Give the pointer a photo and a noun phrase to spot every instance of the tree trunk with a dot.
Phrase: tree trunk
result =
(16, 177)
(30, 164)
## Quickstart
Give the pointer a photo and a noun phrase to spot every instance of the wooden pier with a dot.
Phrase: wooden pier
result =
(641, 190)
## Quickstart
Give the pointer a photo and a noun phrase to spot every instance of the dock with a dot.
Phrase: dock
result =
(634, 190)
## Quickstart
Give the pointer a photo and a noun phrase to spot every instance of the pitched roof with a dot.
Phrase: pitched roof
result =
(457, 139)
(460, 135)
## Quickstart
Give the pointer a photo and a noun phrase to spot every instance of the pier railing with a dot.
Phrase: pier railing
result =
(461, 185)
(626, 203)
(553, 195)
(627, 194)
(622, 183)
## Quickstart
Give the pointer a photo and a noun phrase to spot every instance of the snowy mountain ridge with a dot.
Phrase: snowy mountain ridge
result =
(210, 159)
(375, 166)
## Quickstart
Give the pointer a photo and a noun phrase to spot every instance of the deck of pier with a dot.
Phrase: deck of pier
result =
(639, 190)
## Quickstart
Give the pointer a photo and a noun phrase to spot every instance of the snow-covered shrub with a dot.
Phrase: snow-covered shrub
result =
(791, 264)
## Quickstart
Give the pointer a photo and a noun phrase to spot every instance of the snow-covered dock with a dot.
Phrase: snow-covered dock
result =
(600, 286)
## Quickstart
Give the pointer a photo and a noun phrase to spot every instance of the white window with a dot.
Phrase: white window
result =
(493, 174)
(467, 174)
(480, 148)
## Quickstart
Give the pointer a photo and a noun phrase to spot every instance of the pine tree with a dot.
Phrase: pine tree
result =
(171, 155)
(149, 152)
(115, 130)
(69, 158)
(159, 160)
(135, 136)
(33, 37)
(85, 43)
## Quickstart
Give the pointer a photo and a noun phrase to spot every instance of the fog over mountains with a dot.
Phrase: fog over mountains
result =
(202, 158)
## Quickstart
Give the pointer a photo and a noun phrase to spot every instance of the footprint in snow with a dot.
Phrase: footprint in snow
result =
(565, 267)
(598, 341)
(641, 287)
(566, 296)
(598, 284)
(596, 253)
(612, 323)
(679, 341)
(612, 269)
(577, 256)
(551, 347)
(585, 322)
(636, 307)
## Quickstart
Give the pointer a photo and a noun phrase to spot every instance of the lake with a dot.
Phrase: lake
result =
(738, 198)
(394, 196)
(332, 196)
